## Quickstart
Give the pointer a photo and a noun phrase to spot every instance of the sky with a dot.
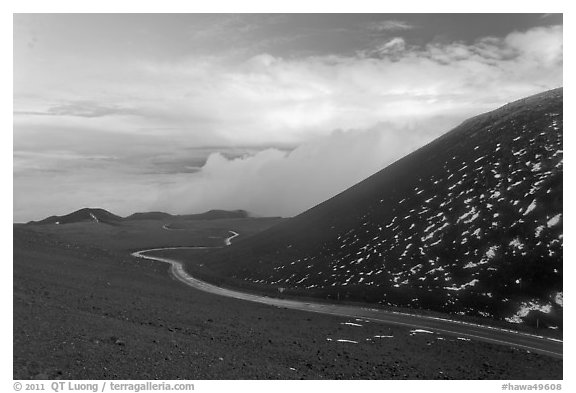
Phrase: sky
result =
(271, 113)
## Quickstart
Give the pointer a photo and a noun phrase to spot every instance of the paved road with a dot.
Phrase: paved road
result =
(537, 344)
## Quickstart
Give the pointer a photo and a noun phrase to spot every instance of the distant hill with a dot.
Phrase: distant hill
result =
(86, 214)
(103, 216)
(149, 216)
(470, 224)
(216, 214)
(209, 215)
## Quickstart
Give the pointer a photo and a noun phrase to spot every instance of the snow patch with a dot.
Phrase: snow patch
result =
(554, 220)
(347, 341)
(420, 331)
(516, 243)
(463, 286)
(526, 307)
(531, 207)
(559, 299)
(491, 253)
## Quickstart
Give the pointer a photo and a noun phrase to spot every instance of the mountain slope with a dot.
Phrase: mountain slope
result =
(86, 214)
(470, 223)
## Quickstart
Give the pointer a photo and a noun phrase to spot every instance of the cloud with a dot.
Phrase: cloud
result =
(291, 99)
(543, 45)
(80, 109)
(389, 25)
(270, 99)
(86, 109)
(274, 182)
(393, 47)
(533, 49)
(386, 105)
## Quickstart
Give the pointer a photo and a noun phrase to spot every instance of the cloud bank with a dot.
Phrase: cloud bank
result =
(348, 115)
(394, 104)
(274, 182)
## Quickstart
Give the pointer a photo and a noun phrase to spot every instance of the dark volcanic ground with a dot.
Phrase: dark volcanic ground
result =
(82, 312)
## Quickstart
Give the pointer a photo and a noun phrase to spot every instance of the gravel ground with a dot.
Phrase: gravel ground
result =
(83, 312)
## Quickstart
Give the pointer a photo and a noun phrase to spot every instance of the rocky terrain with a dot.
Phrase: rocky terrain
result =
(86, 312)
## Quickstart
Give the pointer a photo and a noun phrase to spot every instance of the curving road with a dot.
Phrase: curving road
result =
(533, 343)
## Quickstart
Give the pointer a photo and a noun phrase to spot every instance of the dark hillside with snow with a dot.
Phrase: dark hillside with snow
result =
(469, 224)
(86, 214)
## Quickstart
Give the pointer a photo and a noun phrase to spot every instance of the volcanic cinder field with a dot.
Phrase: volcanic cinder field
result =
(446, 264)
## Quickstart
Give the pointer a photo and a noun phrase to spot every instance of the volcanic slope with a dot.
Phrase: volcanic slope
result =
(470, 224)
(85, 214)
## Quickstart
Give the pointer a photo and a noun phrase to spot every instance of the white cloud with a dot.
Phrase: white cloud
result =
(277, 99)
(543, 45)
(274, 182)
(270, 99)
(389, 25)
(394, 46)
(413, 98)
(388, 105)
